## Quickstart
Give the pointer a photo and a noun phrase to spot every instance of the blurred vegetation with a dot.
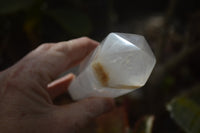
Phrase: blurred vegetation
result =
(169, 102)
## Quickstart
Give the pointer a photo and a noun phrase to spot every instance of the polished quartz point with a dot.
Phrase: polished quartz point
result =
(121, 64)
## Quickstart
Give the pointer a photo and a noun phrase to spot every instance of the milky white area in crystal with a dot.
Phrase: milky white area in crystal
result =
(122, 63)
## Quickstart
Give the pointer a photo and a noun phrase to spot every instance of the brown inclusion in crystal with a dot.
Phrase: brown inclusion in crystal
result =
(103, 77)
(100, 72)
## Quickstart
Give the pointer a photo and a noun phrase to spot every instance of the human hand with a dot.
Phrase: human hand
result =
(28, 88)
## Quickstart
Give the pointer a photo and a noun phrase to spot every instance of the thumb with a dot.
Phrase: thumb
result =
(78, 114)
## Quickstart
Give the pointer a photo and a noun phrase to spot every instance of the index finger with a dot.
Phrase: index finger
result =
(50, 60)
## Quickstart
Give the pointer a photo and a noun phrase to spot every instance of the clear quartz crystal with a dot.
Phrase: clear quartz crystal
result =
(122, 63)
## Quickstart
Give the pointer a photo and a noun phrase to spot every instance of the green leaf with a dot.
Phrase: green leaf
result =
(186, 113)
(12, 6)
(72, 21)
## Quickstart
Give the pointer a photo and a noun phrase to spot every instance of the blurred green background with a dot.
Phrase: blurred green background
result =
(169, 102)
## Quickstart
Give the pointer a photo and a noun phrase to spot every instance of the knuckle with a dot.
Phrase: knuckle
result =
(62, 47)
(45, 46)
(86, 39)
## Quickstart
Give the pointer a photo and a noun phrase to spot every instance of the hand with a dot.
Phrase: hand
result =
(28, 88)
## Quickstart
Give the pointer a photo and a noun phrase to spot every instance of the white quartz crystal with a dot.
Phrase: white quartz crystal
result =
(122, 63)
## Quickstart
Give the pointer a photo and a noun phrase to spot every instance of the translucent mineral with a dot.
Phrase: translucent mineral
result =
(122, 63)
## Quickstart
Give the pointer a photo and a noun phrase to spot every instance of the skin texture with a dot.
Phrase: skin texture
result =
(28, 88)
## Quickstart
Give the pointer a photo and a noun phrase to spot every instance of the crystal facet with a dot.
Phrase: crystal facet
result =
(120, 64)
